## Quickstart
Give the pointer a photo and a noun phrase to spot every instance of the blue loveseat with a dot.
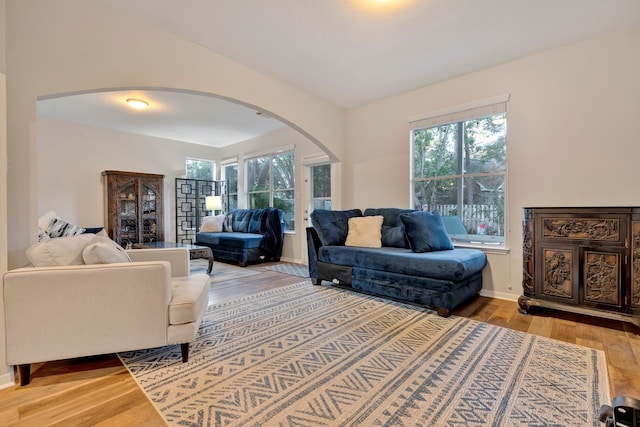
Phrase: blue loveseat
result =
(251, 235)
(416, 261)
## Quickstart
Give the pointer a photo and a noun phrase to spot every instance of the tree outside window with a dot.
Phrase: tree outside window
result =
(270, 182)
(459, 169)
(200, 169)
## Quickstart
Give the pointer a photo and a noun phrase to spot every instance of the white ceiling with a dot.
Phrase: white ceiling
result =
(350, 52)
(179, 116)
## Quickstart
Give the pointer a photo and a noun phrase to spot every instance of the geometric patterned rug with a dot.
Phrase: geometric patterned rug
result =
(309, 355)
(289, 268)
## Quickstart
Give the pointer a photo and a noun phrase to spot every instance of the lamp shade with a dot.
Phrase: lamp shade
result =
(213, 203)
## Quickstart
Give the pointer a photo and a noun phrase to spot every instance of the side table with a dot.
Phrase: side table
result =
(195, 251)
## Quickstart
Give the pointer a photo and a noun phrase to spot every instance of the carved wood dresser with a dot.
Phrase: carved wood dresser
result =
(583, 260)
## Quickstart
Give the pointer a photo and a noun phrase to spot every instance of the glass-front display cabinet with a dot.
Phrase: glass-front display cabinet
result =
(133, 207)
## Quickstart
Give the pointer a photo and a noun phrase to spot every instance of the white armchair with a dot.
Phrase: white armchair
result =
(62, 312)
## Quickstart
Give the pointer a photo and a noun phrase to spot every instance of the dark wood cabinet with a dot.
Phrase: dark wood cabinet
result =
(133, 206)
(583, 260)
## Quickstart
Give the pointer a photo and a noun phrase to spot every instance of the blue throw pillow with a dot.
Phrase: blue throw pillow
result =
(333, 226)
(425, 231)
(392, 228)
(241, 218)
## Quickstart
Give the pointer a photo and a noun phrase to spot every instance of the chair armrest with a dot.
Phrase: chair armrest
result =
(61, 312)
(177, 257)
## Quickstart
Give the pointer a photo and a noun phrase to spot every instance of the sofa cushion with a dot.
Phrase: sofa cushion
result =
(333, 226)
(189, 297)
(102, 250)
(392, 227)
(256, 221)
(227, 224)
(365, 232)
(60, 251)
(241, 219)
(425, 231)
(212, 223)
(454, 265)
(231, 239)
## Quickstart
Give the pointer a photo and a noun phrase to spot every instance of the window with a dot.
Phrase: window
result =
(320, 187)
(200, 169)
(270, 182)
(459, 169)
(230, 173)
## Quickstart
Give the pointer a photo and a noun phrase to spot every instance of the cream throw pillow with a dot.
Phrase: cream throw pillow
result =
(365, 231)
(212, 223)
(102, 250)
(60, 251)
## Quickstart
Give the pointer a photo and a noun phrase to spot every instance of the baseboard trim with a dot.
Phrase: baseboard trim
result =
(7, 380)
(498, 295)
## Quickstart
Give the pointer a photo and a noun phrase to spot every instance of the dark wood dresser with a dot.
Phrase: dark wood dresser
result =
(583, 260)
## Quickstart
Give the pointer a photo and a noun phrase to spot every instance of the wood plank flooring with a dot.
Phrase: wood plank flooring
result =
(98, 391)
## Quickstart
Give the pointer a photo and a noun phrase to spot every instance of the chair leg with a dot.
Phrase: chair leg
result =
(184, 348)
(25, 373)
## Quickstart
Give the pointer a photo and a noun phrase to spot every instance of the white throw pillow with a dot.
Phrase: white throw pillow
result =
(45, 220)
(42, 235)
(102, 250)
(365, 231)
(212, 223)
(61, 228)
(60, 251)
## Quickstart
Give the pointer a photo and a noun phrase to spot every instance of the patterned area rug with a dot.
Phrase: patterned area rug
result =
(290, 268)
(309, 355)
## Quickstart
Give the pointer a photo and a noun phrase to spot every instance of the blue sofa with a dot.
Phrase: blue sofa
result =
(404, 267)
(255, 235)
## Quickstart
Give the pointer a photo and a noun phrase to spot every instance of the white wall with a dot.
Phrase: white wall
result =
(6, 377)
(81, 45)
(294, 242)
(572, 137)
(71, 158)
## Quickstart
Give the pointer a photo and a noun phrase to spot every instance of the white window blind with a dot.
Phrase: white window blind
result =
(472, 110)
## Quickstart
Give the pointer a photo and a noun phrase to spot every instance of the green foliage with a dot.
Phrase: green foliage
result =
(460, 165)
(200, 169)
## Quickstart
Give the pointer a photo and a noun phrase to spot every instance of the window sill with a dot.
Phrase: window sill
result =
(500, 250)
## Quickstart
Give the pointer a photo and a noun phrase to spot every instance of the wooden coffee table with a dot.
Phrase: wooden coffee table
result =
(195, 251)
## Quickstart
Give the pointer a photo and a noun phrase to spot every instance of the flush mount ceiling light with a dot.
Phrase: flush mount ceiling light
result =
(138, 104)
(382, 6)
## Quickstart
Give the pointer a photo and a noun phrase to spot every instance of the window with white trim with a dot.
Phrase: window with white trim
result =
(200, 169)
(459, 168)
(271, 182)
(230, 174)
(320, 186)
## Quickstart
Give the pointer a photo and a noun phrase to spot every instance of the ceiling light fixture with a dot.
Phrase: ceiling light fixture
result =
(138, 104)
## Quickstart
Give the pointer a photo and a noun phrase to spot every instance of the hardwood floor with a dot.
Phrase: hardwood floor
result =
(98, 391)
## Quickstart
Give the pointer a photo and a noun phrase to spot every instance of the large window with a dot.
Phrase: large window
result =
(270, 182)
(200, 169)
(230, 173)
(459, 169)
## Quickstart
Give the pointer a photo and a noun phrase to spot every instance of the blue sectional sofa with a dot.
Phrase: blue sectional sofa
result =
(250, 236)
(415, 262)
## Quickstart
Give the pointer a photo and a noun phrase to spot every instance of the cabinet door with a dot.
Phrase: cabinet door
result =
(149, 204)
(126, 223)
(558, 273)
(635, 266)
(603, 277)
